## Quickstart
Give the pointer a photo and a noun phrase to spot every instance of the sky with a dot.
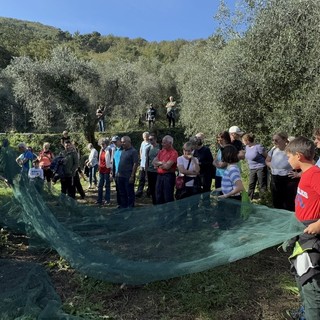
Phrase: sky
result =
(151, 20)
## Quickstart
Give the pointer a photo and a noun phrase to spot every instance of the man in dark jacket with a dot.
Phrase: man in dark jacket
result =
(70, 167)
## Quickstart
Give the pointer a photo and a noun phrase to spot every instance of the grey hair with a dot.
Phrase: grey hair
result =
(22, 145)
(168, 139)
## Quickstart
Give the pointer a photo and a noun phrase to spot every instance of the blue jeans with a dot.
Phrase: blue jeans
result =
(93, 174)
(104, 181)
(126, 192)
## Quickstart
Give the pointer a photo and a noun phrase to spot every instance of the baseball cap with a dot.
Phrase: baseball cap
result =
(115, 138)
(235, 129)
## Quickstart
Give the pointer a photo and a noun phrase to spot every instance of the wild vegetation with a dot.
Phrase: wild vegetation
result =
(261, 74)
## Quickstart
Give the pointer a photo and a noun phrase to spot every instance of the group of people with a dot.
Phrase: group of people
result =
(289, 166)
(171, 113)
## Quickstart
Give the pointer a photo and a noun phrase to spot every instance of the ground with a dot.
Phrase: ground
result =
(258, 287)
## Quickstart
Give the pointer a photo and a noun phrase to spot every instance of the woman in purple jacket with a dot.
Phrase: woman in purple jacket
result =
(255, 156)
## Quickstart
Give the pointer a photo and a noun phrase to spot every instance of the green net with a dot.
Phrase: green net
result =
(149, 243)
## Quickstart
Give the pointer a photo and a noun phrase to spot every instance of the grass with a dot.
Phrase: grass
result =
(242, 290)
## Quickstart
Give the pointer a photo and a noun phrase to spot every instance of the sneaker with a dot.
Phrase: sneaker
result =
(106, 203)
(99, 203)
(296, 314)
(138, 194)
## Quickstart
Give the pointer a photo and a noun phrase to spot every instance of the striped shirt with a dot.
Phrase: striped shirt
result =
(229, 179)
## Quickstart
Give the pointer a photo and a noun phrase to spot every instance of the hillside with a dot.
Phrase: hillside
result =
(33, 39)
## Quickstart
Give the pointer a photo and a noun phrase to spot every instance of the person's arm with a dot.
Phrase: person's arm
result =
(194, 171)
(238, 188)
(268, 161)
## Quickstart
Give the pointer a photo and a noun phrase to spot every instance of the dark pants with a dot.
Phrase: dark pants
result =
(142, 181)
(116, 180)
(165, 187)
(258, 175)
(68, 186)
(284, 190)
(150, 123)
(93, 175)
(171, 120)
(101, 125)
(78, 185)
(126, 192)
(218, 181)
(152, 180)
(206, 181)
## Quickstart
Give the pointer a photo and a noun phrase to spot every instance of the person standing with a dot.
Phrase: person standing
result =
(70, 167)
(256, 157)
(92, 164)
(151, 116)
(45, 157)
(142, 173)
(65, 137)
(204, 155)
(284, 181)
(151, 152)
(115, 164)
(36, 176)
(127, 169)
(25, 158)
(166, 164)
(306, 246)
(171, 112)
(100, 117)
(235, 136)
(105, 166)
(223, 139)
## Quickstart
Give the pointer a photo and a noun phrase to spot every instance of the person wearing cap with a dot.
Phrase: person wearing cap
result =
(151, 116)
(235, 136)
(26, 157)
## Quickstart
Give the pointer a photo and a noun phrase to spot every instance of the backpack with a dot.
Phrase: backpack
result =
(57, 168)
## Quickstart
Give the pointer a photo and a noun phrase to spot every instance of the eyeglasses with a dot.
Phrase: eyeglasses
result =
(187, 150)
(150, 139)
(275, 140)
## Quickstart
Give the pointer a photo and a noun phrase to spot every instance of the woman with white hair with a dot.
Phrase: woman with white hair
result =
(92, 164)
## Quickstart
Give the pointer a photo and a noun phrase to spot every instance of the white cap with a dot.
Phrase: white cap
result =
(235, 129)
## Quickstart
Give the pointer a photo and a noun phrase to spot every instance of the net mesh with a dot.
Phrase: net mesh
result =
(144, 244)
